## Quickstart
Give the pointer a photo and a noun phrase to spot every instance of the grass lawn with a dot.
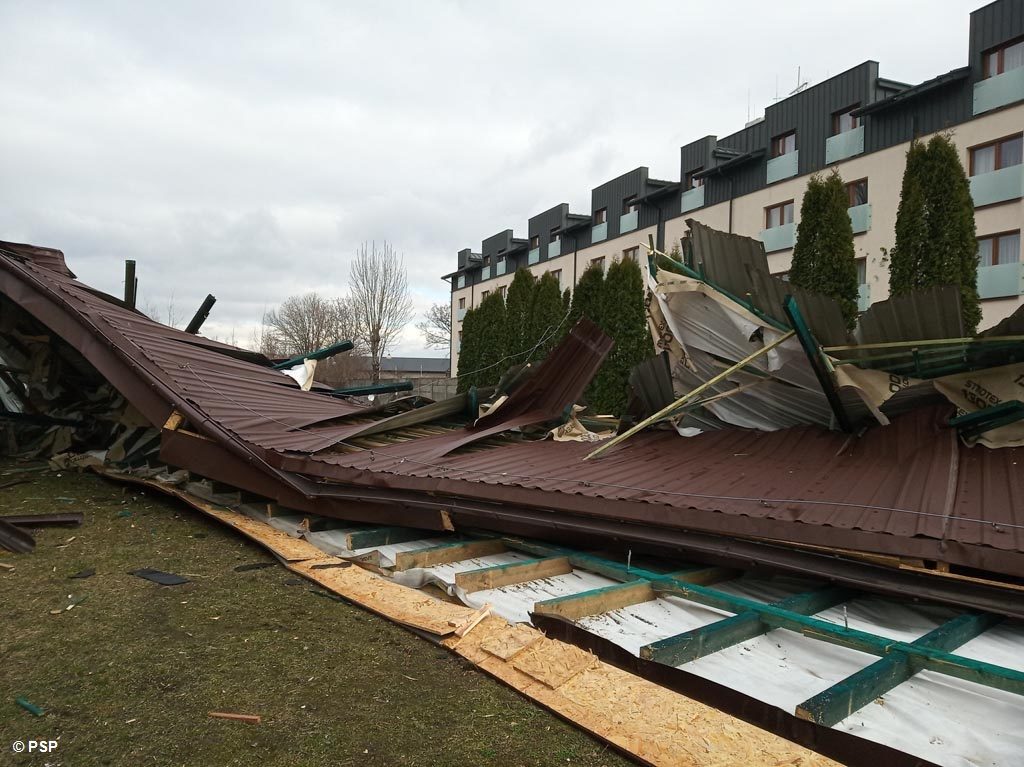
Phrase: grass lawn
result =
(128, 676)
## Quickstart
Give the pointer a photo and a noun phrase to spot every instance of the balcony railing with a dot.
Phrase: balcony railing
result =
(485, 273)
(533, 256)
(778, 237)
(599, 232)
(1000, 281)
(500, 267)
(460, 314)
(844, 145)
(998, 185)
(784, 166)
(860, 218)
(863, 297)
(692, 199)
(628, 222)
(461, 281)
(554, 249)
(999, 90)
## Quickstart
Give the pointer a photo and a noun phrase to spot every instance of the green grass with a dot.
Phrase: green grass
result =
(128, 676)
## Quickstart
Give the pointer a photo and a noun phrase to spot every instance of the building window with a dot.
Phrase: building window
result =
(462, 302)
(631, 254)
(557, 274)
(692, 180)
(554, 236)
(778, 215)
(483, 295)
(501, 291)
(460, 336)
(843, 120)
(784, 144)
(599, 261)
(999, 154)
(857, 193)
(862, 271)
(535, 241)
(487, 260)
(629, 205)
(999, 249)
(1003, 59)
(600, 216)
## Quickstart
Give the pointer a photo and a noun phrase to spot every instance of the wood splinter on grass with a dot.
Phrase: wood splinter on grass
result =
(250, 718)
(473, 620)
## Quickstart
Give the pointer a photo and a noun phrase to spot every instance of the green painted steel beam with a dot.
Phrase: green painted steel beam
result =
(831, 706)
(319, 354)
(980, 421)
(379, 388)
(696, 643)
(929, 658)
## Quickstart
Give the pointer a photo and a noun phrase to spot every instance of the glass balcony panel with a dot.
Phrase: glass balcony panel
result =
(692, 199)
(860, 218)
(533, 256)
(778, 237)
(1000, 281)
(998, 91)
(599, 232)
(783, 167)
(554, 249)
(998, 185)
(628, 222)
(843, 145)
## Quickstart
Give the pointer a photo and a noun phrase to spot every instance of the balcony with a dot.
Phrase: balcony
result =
(500, 267)
(599, 232)
(628, 221)
(778, 237)
(782, 167)
(860, 218)
(485, 273)
(998, 91)
(554, 249)
(844, 145)
(998, 186)
(461, 281)
(460, 314)
(863, 297)
(533, 256)
(1000, 281)
(692, 199)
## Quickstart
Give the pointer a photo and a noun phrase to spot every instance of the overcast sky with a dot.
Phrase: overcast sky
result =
(247, 149)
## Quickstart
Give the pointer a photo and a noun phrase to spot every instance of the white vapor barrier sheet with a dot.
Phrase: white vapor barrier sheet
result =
(515, 602)
(947, 721)
(333, 542)
(444, 575)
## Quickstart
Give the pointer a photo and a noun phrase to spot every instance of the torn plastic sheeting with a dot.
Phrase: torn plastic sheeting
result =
(302, 374)
(515, 602)
(984, 388)
(443, 575)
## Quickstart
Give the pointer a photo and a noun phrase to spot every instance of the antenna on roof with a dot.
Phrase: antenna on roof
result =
(748, 104)
(799, 85)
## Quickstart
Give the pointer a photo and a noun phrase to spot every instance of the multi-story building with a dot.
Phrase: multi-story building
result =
(752, 182)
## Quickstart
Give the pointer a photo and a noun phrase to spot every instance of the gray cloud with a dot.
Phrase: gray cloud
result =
(246, 149)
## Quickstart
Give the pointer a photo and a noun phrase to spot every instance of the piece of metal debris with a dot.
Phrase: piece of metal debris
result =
(158, 576)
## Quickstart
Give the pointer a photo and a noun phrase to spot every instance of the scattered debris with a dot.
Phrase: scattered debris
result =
(56, 519)
(254, 566)
(250, 718)
(158, 576)
(15, 539)
(30, 707)
(82, 574)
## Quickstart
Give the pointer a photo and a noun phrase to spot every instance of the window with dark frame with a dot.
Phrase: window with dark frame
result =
(487, 260)
(843, 120)
(631, 254)
(462, 303)
(862, 271)
(557, 274)
(1006, 57)
(996, 249)
(692, 180)
(600, 216)
(483, 295)
(535, 241)
(1003, 153)
(778, 215)
(553, 235)
(784, 144)
(599, 261)
(629, 205)
(857, 193)
(501, 291)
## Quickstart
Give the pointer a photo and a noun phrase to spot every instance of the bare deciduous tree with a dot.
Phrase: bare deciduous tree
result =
(437, 326)
(380, 299)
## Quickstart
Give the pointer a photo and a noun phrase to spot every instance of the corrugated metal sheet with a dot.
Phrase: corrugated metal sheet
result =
(927, 313)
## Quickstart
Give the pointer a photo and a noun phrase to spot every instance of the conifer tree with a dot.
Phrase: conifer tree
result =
(586, 299)
(518, 308)
(469, 351)
(625, 320)
(824, 257)
(492, 331)
(546, 317)
(935, 228)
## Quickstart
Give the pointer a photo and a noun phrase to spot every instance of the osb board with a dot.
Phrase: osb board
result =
(553, 663)
(288, 548)
(655, 725)
(506, 644)
(398, 603)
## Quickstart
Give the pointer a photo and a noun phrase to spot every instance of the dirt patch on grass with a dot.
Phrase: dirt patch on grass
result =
(127, 676)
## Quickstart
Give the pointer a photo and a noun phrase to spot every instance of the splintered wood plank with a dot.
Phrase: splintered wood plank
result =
(288, 548)
(596, 601)
(447, 553)
(507, 644)
(515, 572)
(553, 663)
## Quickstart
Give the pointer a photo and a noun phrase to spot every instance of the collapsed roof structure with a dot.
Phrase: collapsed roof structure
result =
(884, 460)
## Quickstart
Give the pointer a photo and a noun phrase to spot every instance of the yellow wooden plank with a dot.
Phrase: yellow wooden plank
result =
(453, 552)
(506, 575)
